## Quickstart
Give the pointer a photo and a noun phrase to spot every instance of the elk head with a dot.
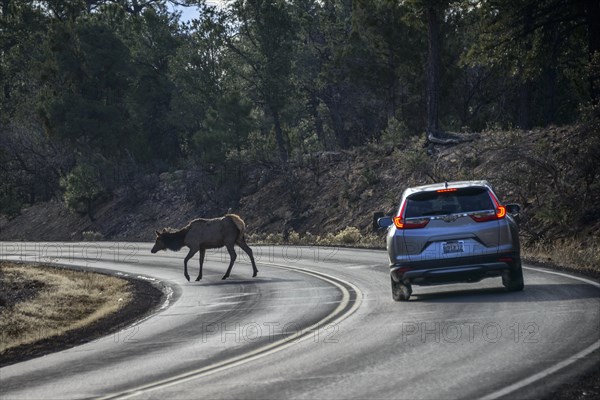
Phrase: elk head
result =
(159, 244)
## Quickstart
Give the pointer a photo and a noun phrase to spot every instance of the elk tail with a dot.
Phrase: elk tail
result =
(239, 223)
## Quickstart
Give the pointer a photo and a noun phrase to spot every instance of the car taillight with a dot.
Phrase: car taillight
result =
(411, 223)
(484, 216)
(498, 213)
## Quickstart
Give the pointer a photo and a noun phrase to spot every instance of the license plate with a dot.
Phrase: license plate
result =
(453, 247)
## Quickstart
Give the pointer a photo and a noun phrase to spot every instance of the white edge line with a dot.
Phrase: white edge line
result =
(261, 351)
(543, 374)
(556, 367)
(588, 281)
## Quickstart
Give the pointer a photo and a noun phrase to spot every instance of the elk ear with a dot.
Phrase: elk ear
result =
(157, 233)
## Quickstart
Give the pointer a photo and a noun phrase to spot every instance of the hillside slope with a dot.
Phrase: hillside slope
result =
(553, 173)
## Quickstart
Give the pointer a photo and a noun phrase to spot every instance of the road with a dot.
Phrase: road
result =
(316, 323)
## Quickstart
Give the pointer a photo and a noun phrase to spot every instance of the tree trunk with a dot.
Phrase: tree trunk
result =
(433, 70)
(313, 107)
(5, 12)
(524, 120)
(335, 113)
(551, 77)
(550, 114)
(90, 209)
(283, 156)
(6, 89)
(5, 7)
(392, 103)
(592, 14)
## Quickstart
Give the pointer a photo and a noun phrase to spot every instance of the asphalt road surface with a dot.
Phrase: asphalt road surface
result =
(317, 323)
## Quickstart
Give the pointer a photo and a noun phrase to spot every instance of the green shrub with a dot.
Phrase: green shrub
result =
(10, 203)
(417, 163)
(395, 133)
(91, 236)
(82, 188)
(348, 235)
(294, 238)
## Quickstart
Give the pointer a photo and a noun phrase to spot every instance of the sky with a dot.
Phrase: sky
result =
(189, 13)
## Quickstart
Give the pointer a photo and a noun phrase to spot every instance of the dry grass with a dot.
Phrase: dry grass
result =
(347, 237)
(63, 300)
(572, 254)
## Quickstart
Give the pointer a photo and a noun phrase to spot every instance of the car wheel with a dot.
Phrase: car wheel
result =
(400, 291)
(513, 280)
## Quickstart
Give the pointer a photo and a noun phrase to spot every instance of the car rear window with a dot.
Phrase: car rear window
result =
(450, 202)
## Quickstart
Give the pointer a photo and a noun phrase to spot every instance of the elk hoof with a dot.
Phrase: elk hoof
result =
(187, 277)
(224, 277)
(254, 274)
(198, 278)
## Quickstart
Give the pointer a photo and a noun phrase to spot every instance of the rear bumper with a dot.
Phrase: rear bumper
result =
(465, 269)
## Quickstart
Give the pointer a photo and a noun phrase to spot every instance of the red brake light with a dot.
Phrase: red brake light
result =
(410, 224)
(446, 190)
(500, 212)
(484, 216)
(398, 219)
(398, 222)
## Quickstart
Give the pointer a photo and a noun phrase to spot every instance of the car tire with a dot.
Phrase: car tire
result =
(400, 291)
(513, 280)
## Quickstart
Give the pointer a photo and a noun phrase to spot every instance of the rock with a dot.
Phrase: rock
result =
(164, 177)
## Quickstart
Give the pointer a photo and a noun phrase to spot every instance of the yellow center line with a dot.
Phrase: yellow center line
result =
(336, 316)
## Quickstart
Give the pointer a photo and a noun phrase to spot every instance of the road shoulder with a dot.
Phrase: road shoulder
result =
(146, 296)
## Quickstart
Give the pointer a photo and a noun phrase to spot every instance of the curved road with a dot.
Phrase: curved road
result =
(316, 323)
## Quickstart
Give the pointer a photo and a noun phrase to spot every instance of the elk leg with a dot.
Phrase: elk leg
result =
(202, 253)
(248, 250)
(187, 258)
(233, 256)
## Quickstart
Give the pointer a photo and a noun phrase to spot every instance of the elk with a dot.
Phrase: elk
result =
(201, 234)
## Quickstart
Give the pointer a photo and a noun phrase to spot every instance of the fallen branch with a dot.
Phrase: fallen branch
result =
(446, 138)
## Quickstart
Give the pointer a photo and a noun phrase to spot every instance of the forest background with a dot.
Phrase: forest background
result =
(300, 103)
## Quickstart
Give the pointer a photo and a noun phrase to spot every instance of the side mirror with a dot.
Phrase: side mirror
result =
(385, 222)
(513, 209)
(376, 216)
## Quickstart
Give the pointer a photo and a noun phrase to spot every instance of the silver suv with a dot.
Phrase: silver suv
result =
(452, 232)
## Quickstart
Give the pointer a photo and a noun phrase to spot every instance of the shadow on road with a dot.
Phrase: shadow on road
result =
(234, 281)
(531, 293)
